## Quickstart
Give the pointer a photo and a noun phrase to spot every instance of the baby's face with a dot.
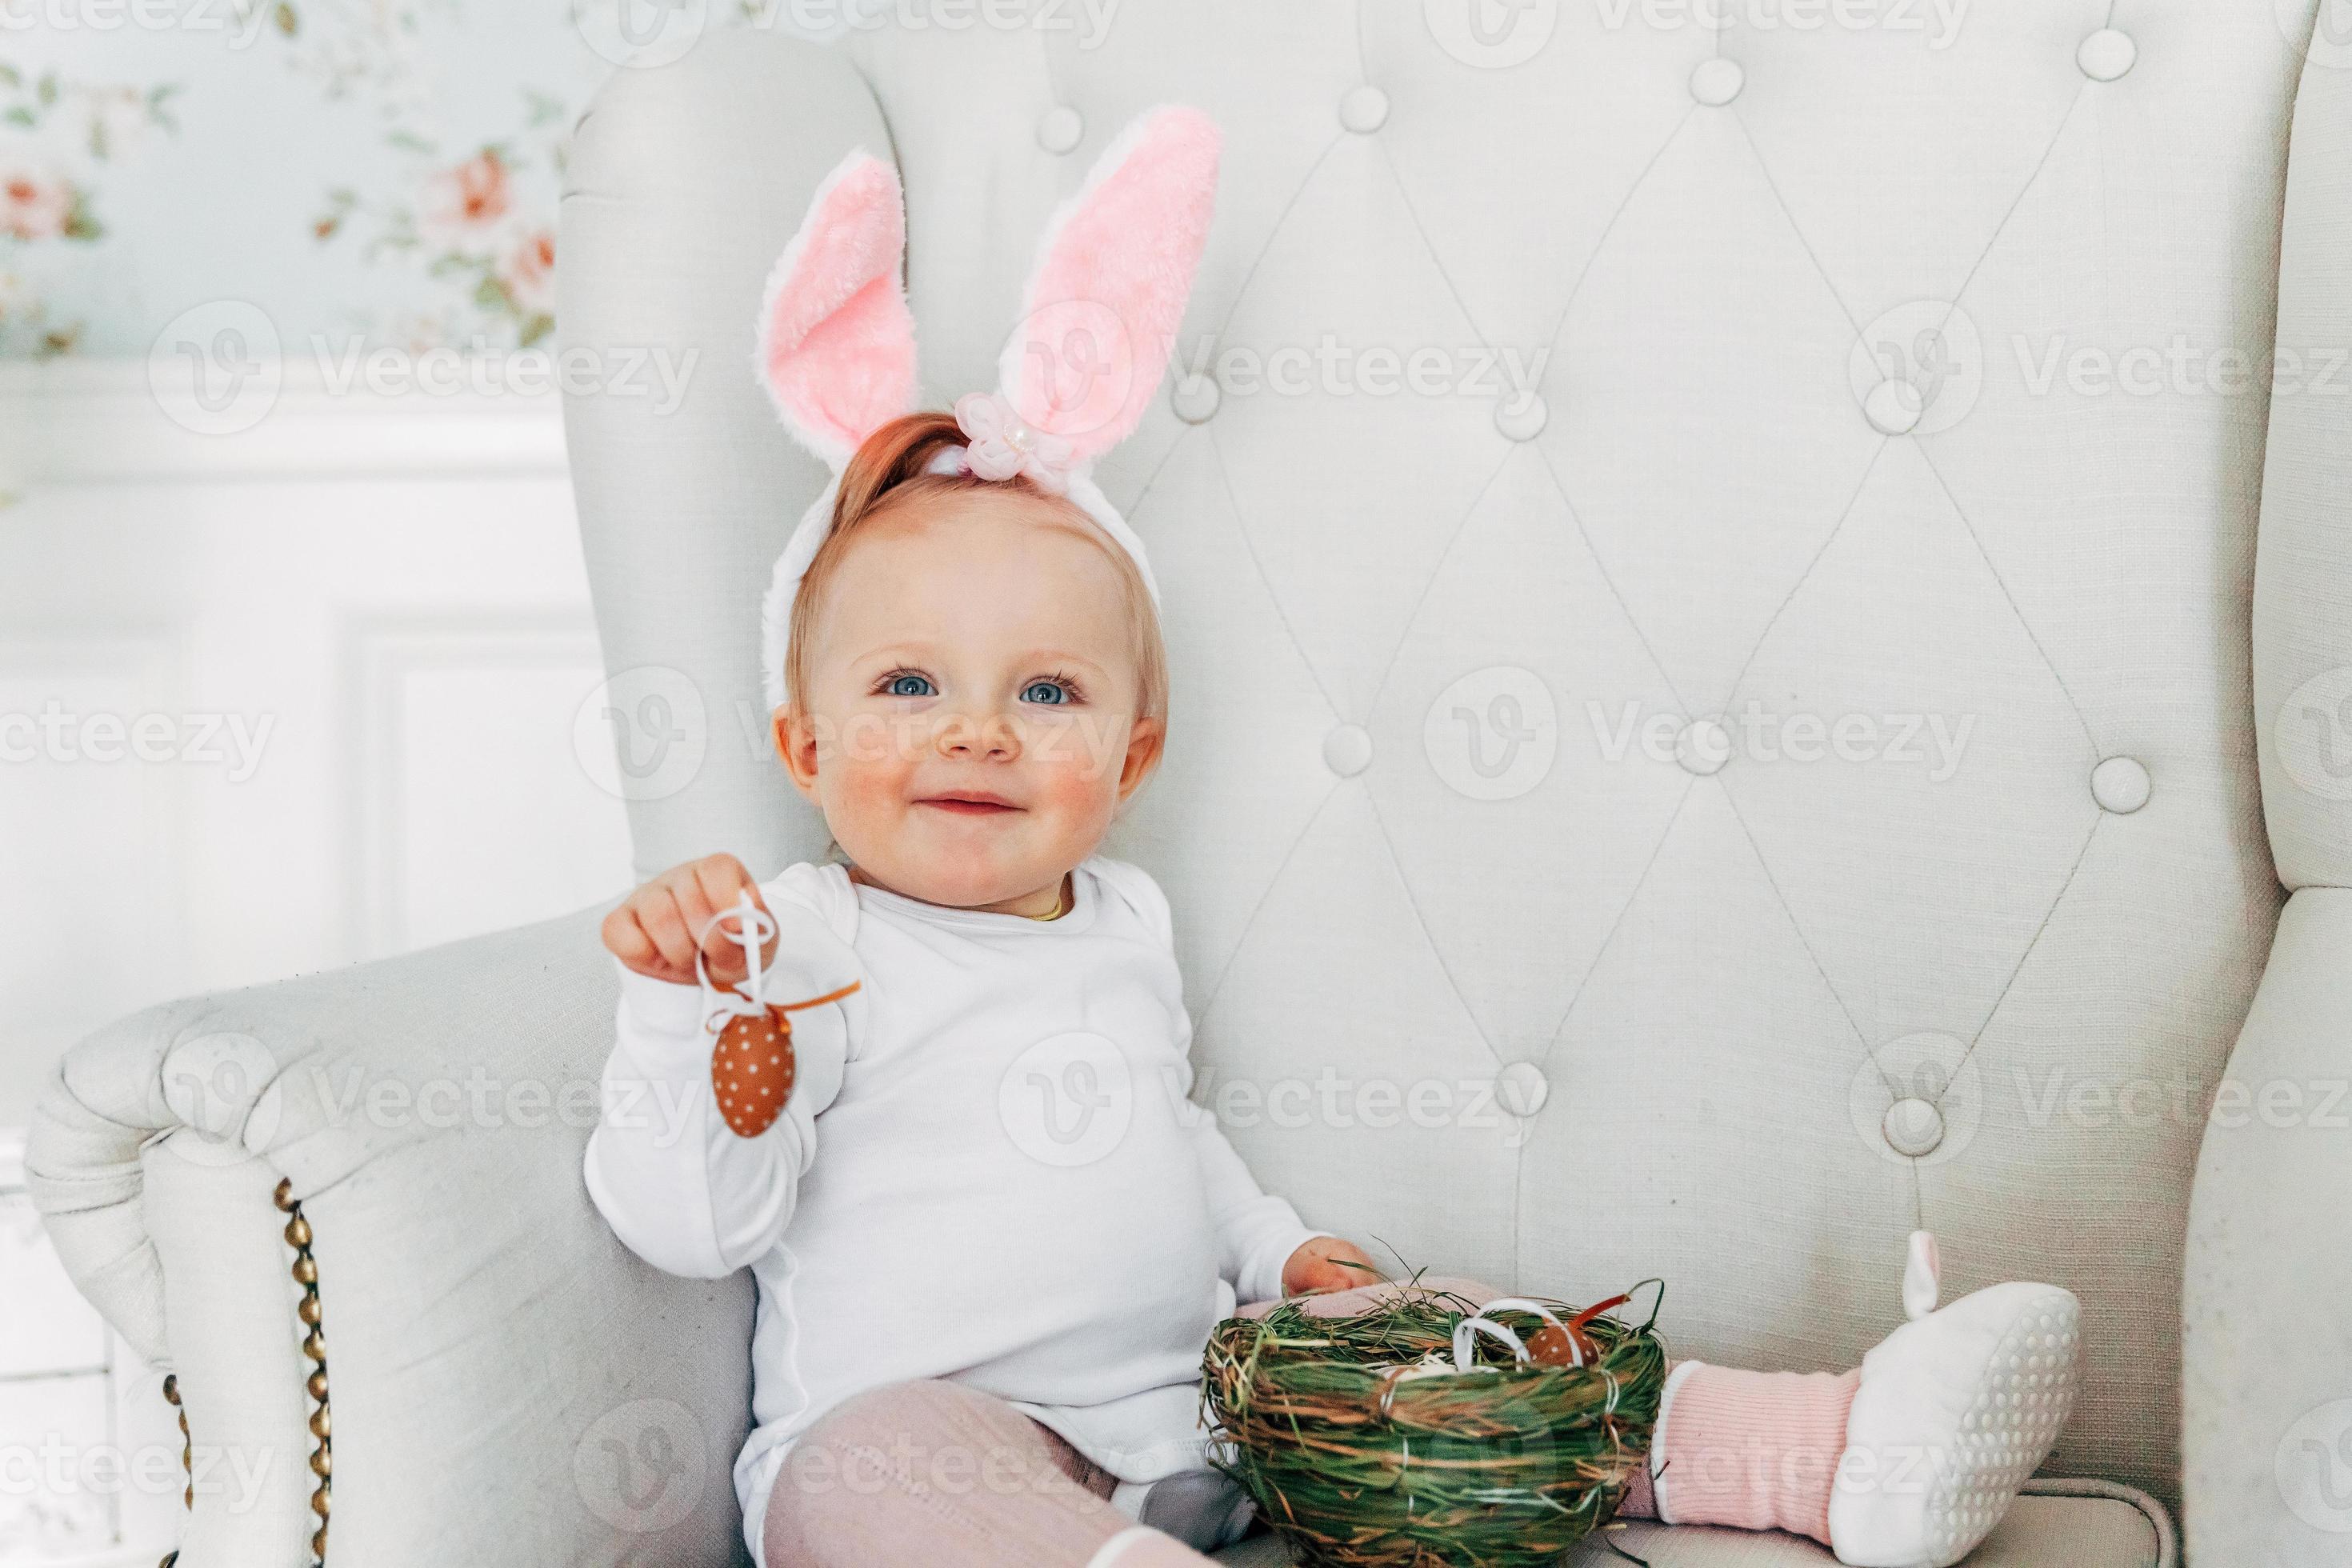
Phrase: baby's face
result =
(970, 728)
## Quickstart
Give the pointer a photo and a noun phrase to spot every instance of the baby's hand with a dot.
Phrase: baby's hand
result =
(653, 931)
(1326, 1263)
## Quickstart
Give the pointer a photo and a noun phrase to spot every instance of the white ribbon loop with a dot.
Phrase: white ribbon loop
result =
(743, 999)
(1467, 1331)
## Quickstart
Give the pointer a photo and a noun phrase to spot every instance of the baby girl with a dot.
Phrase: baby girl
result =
(990, 1233)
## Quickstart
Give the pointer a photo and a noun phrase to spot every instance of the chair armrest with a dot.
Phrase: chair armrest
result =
(506, 1383)
(2267, 1292)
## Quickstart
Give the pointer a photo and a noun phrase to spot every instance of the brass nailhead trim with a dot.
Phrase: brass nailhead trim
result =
(314, 1346)
(187, 1452)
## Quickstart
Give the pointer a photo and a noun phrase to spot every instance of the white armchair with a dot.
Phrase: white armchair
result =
(1728, 704)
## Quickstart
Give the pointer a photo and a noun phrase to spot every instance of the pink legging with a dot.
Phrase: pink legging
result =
(921, 1473)
(925, 1473)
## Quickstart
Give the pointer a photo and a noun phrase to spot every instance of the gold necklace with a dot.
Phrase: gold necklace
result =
(1060, 894)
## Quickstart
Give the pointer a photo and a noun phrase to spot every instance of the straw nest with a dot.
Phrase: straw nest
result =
(1366, 1448)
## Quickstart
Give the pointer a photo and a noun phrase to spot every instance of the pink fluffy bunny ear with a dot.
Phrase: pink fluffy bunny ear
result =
(836, 346)
(1113, 271)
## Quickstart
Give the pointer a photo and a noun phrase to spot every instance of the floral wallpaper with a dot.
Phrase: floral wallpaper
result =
(56, 137)
(383, 171)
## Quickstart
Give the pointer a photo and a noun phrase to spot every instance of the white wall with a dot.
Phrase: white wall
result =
(384, 596)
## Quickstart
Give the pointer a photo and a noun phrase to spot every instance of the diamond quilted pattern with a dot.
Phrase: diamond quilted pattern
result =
(1947, 794)
(1497, 743)
(2066, 479)
(1681, 345)
(1346, 522)
(1337, 985)
(1243, 773)
(1721, 1044)
(1855, 138)
(1578, 124)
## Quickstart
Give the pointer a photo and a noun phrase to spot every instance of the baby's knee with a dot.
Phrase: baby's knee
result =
(881, 1436)
(914, 1437)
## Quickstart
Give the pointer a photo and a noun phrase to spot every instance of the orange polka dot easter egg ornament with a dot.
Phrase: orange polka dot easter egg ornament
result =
(751, 1065)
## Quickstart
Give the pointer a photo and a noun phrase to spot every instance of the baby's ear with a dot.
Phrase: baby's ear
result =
(1108, 290)
(836, 342)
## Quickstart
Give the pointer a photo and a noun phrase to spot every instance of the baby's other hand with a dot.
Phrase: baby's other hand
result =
(1328, 1263)
(653, 930)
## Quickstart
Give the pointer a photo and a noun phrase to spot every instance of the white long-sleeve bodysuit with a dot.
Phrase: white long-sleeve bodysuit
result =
(988, 1170)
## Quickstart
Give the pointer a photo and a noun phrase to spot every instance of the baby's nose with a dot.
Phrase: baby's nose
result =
(988, 732)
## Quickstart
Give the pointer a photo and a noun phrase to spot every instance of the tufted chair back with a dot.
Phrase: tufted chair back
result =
(1710, 627)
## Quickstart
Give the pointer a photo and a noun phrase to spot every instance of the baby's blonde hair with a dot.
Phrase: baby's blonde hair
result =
(886, 472)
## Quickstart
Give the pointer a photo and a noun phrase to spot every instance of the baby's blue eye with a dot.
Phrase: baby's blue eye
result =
(1054, 693)
(894, 688)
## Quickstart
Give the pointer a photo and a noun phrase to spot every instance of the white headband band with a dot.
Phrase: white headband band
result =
(784, 586)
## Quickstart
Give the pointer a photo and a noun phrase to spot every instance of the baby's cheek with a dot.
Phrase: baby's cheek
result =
(1080, 787)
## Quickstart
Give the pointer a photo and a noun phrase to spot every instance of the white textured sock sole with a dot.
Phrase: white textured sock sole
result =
(1954, 1412)
(2023, 1398)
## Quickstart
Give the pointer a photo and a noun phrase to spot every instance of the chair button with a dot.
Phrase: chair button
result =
(1348, 749)
(2107, 54)
(1364, 109)
(2120, 784)
(1522, 419)
(1718, 81)
(1059, 129)
(1522, 1087)
(1702, 747)
(1913, 1127)
(1196, 397)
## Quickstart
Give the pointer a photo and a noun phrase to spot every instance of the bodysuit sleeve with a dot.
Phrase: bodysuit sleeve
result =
(678, 1186)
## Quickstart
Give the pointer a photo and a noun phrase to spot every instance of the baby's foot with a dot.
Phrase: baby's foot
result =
(1955, 1409)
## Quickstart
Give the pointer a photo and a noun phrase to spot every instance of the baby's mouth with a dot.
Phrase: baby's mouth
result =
(969, 805)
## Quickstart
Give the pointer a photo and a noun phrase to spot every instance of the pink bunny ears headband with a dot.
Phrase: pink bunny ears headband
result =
(1106, 294)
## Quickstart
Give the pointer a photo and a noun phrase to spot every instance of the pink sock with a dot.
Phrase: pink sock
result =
(1756, 1450)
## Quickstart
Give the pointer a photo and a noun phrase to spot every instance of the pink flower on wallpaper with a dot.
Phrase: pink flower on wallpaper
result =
(464, 204)
(33, 205)
(527, 270)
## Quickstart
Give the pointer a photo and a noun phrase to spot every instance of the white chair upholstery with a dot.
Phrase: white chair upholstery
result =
(1416, 879)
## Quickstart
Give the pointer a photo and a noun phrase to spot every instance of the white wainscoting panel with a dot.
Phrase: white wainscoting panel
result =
(270, 701)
